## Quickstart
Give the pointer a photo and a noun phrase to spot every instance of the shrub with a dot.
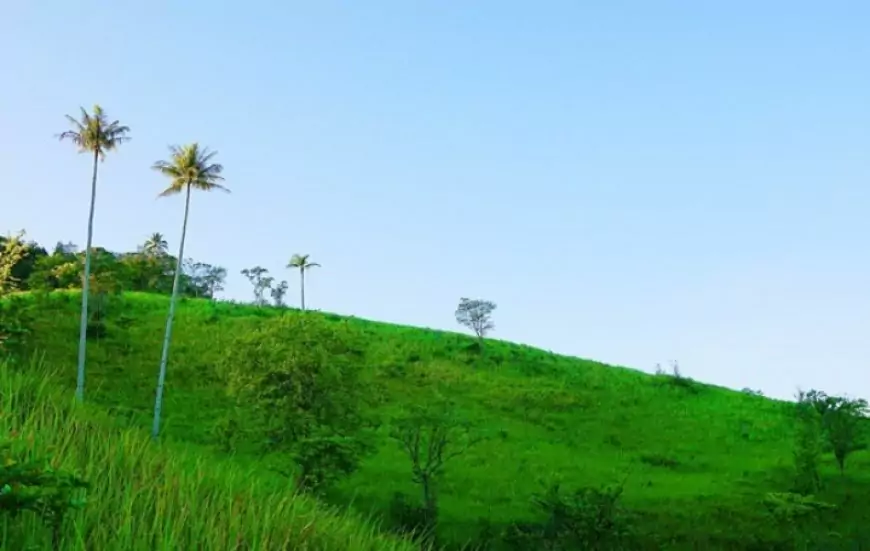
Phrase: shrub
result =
(297, 376)
(588, 518)
(34, 486)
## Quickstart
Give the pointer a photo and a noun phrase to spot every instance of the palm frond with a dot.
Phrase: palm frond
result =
(301, 261)
(190, 165)
(92, 133)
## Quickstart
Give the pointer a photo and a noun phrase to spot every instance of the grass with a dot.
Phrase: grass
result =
(699, 459)
(158, 497)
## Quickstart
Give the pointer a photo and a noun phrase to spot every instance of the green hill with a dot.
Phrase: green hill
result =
(697, 461)
(145, 496)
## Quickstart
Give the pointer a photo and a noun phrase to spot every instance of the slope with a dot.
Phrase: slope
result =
(147, 496)
(697, 460)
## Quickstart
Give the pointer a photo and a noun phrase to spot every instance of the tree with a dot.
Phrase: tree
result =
(93, 134)
(300, 381)
(841, 420)
(189, 167)
(300, 261)
(214, 279)
(204, 279)
(278, 293)
(431, 437)
(156, 245)
(258, 278)
(808, 445)
(476, 315)
(12, 251)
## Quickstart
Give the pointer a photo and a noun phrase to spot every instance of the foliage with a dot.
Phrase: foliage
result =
(12, 252)
(12, 325)
(306, 392)
(841, 420)
(278, 292)
(204, 280)
(410, 518)
(431, 436)
(145, 497)
(808, 446)
(190, 167)
(721, 450)
(476, 315)
(301, 263)
(587, 518)
(94, 133)
(156, 245)
(35, 486)
(141, 271)
(261, 282)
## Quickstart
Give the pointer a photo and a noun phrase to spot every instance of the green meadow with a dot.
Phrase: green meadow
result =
(699, 466)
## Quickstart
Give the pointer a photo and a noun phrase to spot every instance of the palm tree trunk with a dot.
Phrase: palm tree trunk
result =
(86, 287)
(161, 378)
(302, 280)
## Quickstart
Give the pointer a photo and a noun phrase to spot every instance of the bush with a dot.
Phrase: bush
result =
(34, 486)
(588, 518)
(297, 377)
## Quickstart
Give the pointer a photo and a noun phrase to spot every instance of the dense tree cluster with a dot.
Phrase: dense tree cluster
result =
(149, 269)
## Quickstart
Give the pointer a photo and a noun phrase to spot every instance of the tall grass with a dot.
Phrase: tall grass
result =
(147, 496)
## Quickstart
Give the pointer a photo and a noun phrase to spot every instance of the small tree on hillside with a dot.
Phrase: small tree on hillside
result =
(258, 278)
(476, 315)
(808, 446)
(841, 422)
(278, 292)
(299, 380)
(431, 437)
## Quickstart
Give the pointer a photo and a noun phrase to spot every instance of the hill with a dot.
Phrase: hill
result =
(696, 463)
(145, 496)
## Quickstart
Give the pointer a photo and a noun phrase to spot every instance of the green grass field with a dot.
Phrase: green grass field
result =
(165, 496)
(697, 460)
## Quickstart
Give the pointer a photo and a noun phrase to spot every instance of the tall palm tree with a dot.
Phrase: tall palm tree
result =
(156, 245)
(189, 167)
(300, 261)
(92, 133)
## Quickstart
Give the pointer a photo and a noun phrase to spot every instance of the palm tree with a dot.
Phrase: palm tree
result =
(301, 261)
(189, 167)
(156, 245)
(93, 133)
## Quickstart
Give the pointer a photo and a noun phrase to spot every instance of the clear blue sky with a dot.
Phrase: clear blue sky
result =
(630, 181)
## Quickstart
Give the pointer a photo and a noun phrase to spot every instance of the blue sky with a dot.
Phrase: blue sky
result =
(630, 181)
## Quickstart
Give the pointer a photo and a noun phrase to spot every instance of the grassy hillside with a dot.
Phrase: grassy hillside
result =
(145, 496)
(697, 460)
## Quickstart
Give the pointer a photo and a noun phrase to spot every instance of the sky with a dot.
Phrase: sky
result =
(633, 182)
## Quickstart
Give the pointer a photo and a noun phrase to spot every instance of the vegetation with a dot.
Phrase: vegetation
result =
(301, 263)
(697, 466)
(189, 168)
(93, 134)
(277, 416)
(141, 496)
(476, 315)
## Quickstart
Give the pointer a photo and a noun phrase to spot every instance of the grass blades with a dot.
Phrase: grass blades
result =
(165, 497)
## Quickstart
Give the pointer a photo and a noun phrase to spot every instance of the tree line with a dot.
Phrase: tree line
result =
(148, 269)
